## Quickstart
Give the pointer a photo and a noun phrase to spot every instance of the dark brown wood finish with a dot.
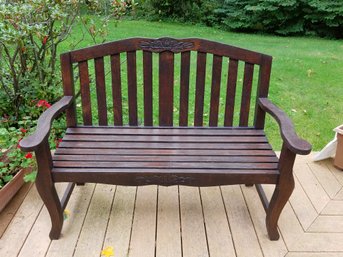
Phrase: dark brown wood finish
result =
(246, 95)
(215, 89)
(132, 87)
(164, 155)
(101, 90)
(231, 92)
(262, 90)
(68, 87)
(200, 89)
(166, 88)
(85, 93)
(148, 92)
(116, 90)
(184, 88)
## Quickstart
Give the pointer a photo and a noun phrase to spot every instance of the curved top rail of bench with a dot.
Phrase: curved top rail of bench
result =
(166, 44)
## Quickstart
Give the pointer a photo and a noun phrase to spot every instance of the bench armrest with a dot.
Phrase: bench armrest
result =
(32, 142)
(291, 139)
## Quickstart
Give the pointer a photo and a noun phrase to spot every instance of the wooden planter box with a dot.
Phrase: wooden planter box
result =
(12, 187)
(338, 162)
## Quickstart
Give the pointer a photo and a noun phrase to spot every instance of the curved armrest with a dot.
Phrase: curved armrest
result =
(31, 142)
(293, 142)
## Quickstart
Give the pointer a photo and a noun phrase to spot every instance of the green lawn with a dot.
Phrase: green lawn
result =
(307, 74)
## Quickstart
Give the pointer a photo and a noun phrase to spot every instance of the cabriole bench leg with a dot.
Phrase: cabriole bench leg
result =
(282, 192)
(47, 191)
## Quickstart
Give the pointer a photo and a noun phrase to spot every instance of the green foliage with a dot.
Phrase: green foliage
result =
(180, 10)
(30, 34)
(12, 158)
(288, 17)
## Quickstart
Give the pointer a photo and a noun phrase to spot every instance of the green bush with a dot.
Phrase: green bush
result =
(287, 17)
(180, 10)
(30, 34)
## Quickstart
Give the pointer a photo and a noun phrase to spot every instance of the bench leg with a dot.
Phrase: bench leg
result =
(47, 191)
(282, 192)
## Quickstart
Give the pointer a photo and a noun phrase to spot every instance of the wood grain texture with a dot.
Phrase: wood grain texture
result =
(116, 90)
(166, 88)
(85, 93)
(168, 238)
(194, 241)
(200, 89)
(148, 91)
(142, 242)
(230, 92)
(101, 90)
(184, 88)
(132, 87)
(68, 87)
(246, 95)
(215, 90)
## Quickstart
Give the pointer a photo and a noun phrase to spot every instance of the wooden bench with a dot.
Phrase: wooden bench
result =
(176, 141)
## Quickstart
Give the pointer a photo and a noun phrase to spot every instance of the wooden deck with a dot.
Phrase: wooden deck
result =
(182, 221)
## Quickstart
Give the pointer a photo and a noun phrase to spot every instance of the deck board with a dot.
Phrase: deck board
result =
(182, 221)
(168, 238)
(93, 230)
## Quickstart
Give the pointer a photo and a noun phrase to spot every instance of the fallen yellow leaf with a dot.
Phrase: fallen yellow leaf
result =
(108, 251)
(66, 214)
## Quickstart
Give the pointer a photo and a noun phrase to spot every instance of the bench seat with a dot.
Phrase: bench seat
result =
(186, 156)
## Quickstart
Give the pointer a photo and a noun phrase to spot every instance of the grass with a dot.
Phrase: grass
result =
(306, 82)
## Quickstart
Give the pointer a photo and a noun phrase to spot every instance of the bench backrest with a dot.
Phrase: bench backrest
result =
(179, 98)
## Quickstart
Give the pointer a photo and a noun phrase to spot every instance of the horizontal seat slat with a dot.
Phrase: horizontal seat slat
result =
(163, 152)
(166, 158)
(253, 172)
(179, 131)
(165, 138)
(130, 145)
(165, 165)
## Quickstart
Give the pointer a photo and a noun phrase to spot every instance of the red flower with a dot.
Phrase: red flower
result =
(18, 146)
(42, 103)
(45, 39)
(28, 156)
(58, 141)
(22, 130)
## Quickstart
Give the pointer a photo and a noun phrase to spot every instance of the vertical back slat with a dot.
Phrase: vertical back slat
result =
(148, 93)
(246, 94)
(68, 87)
(132, 87)
(116, 90)
(101, 90)
(231, 92)
(262, 89)
(184, 87)
(85, 93)
(215, 89)
(200, 89)
(166, 84)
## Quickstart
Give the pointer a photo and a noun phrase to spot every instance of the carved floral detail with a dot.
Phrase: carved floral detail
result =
(165, 180)
(166, 44)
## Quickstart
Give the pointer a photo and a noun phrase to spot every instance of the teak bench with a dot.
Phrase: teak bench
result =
(145, 152)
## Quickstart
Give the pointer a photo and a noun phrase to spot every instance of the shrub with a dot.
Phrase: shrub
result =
(289, 17)
(30, 33)
(180, 10)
